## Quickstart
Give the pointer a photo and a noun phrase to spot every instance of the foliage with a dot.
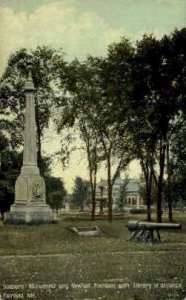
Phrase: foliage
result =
(56, 200)
(122, 194)
(55, 192)
(157, 97)
(10, 164)
(80, 193)
(177, 169)
(129, 104)
(12, 91)
(91, 107)
(79, 110)
(114, 135)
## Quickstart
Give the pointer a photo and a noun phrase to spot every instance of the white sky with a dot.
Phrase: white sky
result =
(82, 27)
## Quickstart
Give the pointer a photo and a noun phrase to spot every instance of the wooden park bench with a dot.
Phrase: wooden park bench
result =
(147, 231)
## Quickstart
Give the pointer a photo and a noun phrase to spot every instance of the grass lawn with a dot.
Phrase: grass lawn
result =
(50, 262)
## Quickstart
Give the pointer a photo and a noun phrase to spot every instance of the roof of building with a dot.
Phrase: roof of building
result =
(132, 186)
(119, 181)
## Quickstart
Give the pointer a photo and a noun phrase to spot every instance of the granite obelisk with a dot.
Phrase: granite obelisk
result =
(30, 197)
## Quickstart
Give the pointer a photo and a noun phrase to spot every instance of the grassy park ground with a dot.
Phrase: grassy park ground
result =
(50, 262)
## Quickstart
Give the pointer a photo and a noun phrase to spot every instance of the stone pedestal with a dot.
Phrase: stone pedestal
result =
(30, 206)
(29, 214)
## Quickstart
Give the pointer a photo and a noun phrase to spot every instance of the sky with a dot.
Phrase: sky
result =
(82, 27)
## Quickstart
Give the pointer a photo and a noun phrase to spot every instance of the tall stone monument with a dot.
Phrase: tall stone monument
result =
(30, 204)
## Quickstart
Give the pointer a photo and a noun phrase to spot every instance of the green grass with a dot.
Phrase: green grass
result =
(51, 254)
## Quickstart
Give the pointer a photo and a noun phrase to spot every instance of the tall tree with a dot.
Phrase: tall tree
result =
(115, 85)
(176, 57)
(98, 87)
(144, 122)
(79, 111)
(157, 95)
(12, 91)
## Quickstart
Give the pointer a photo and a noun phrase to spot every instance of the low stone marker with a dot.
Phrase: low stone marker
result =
(86, 230)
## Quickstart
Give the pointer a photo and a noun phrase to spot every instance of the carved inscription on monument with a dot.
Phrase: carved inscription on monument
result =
(37, 189)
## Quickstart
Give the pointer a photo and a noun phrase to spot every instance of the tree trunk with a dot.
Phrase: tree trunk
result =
(93, 183)
(169, 186)
(92, 177)
(109, 190)
(148, 175)
(160, 181)
(93, 205)
(170, 205)
(149, 196)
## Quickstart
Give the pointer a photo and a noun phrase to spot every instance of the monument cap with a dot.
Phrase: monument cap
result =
(29, 85)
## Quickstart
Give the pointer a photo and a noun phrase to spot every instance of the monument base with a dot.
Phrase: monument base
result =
(29, 214)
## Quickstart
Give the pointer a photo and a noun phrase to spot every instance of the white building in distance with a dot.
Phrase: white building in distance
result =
(132, 198)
